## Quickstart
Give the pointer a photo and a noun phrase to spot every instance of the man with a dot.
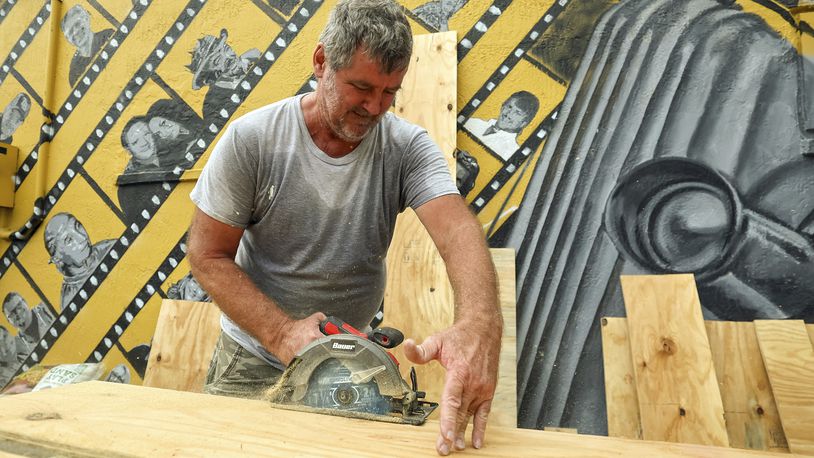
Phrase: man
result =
(75, 26)
(31, 324)
(217, 65)
(13, 351)
(71, 251)
(500, 135)
(140, 142)
(13, 115)
(296, 209)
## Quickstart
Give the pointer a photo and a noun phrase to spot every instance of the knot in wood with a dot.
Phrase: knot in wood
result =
(668, 346)
(39, 416)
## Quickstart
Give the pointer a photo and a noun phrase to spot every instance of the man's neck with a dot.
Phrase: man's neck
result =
(321, 133)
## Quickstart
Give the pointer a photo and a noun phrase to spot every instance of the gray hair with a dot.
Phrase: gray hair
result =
(379, 27)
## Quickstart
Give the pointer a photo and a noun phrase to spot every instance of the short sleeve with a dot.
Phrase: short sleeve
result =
(426, 173)
(226, 188)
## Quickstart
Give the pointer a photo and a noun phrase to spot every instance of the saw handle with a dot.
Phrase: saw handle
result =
(384, 337)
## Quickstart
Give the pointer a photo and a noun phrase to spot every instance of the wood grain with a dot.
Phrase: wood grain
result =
(185, 337)
(418, 299)
(108, 419)
(752, 420)
(621, 398)
(504, 404)
(676, 385)
(789, 358)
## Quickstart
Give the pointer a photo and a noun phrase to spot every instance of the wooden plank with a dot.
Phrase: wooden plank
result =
(418, 299)
(504, 404)
(115, 420)
(810, 328)
(185, 337)
(751, 414)
(676, 385)
(621, 398)
(789, 358)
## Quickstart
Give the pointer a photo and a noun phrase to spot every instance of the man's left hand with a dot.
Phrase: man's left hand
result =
(471, 360)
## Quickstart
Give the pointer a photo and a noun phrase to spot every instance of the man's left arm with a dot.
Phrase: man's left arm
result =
(470, 348)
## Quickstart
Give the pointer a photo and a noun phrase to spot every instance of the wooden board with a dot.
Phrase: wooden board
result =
(676, 385)
(789, 359)
(621, 398)
(810, 328)
(752, 420)
(185, 337)
(109, 419)
(418, 299)
(504, 404)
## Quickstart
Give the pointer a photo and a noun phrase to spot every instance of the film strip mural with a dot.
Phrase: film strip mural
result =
(22, 42)
(214, 122)
(83, 85)
(151, 287)
(5, 9)
(513, 158)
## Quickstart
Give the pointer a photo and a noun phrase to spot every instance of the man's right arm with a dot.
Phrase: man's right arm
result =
(212, 246)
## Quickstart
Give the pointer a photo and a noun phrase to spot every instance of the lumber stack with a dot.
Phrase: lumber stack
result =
(670, 376)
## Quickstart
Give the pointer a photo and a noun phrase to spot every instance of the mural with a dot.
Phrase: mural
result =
(596, 137)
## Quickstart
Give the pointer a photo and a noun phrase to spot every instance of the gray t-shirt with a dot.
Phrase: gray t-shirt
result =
(317, 228)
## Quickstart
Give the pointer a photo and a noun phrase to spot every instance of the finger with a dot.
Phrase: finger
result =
(460, 439)
(450, 408)
(424, 353)
(479, 423)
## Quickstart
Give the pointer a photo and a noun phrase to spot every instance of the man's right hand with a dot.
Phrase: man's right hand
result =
(293, 335)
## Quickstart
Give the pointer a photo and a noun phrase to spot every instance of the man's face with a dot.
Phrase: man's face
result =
(77, 30)
(14, 115)
(353, 99)
(512, 118)
(18, 313)
(71, 247)
(140, 141)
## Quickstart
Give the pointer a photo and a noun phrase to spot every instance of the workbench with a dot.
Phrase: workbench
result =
(111, 420)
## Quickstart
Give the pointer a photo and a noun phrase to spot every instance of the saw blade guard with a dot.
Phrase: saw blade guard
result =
(344, 360)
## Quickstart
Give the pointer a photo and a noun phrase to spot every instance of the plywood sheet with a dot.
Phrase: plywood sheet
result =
(789, 358)
(185, 337)
(418, 299)
(108, 419)
(621, 398)
(676, 385)
(504, 404)
(752, 420)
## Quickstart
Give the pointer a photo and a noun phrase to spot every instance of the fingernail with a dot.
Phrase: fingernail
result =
(477, 443)
(450, 436)
(460, 444)
(444, 449)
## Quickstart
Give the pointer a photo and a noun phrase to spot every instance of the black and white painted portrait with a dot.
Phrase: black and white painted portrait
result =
(436, 13)
(160, 140)
(31, 323)
(188, 289)
(466, 171)
(75, 26)
(13, 116)
(217, 66)
(119, 374)
(12, 352)
(500, 135)
(72, 252)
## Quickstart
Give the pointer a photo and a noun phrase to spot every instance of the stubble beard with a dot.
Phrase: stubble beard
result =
(330, 103)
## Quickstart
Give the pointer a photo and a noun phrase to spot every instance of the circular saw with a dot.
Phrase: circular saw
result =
(351, 374)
